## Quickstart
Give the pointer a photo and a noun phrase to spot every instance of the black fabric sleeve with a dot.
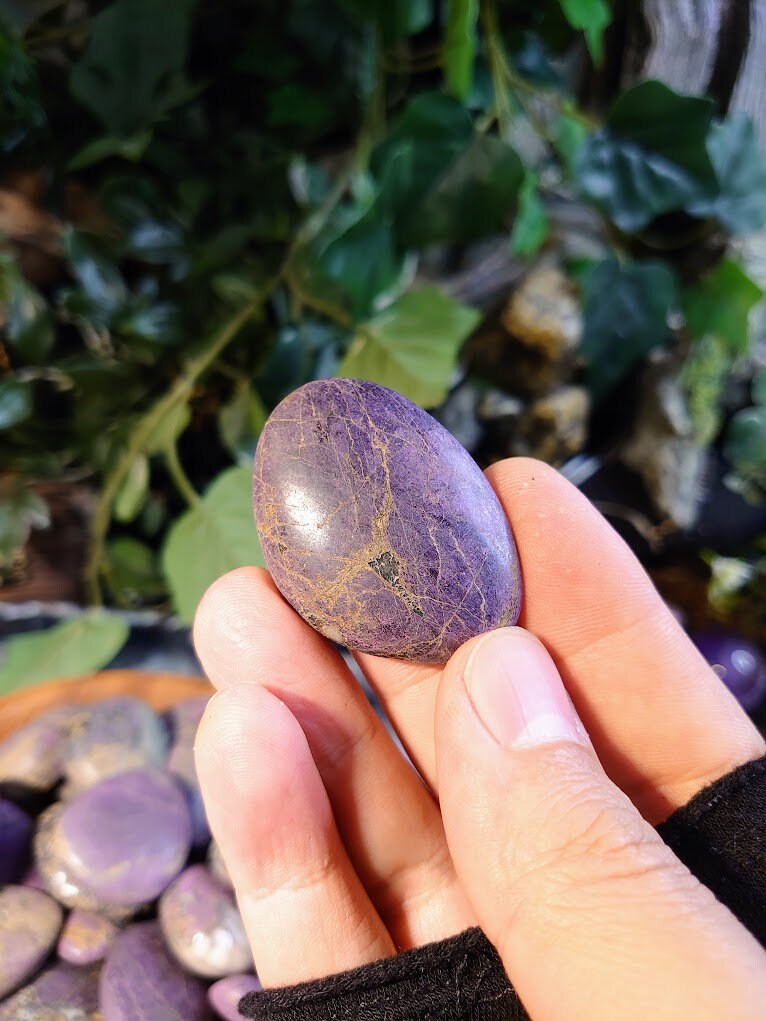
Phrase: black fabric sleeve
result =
(720, 835)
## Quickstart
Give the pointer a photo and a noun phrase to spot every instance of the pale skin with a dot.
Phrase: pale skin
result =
(534, 815)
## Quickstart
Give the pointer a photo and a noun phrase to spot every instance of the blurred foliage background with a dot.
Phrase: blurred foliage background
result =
(484, 205)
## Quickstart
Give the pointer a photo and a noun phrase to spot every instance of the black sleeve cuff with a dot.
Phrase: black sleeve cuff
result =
(720, 836)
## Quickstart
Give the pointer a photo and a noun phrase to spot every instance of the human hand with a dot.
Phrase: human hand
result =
(541, 834)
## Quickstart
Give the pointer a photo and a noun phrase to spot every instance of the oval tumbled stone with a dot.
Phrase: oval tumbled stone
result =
(29, 924)
(378, 527)
(123, 840)
(86, 937)
(224, 995)
(142, 982)
(60, 993)
(202, 925)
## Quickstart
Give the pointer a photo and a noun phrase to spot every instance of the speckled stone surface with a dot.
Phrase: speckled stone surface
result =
(202, 925)
(225, 994)
(378, 527)
(110, 737)
(33, 756)
(141, 982)
(60, 993)
(217, 866)
(15, 840)
(85, 938)
(29, 924)
(119, 842)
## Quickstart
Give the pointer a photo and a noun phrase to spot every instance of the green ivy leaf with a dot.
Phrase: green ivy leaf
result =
(78, 646)
(102, 287)
(460, 45)
(412, 345)
(130, 74)
(719, 305)
(651, 158)
(592, 17)
(624, 317)
(745, 443)
(169, 429)
(15, 402)
(473, 197)
(29, 323)
(215, 536)
(241, 421)
(569, 137)
(132, 571)
(531, 226)
(132, 493)
(740, 202)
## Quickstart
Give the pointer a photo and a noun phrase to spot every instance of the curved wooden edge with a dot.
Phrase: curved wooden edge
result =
(160, 690)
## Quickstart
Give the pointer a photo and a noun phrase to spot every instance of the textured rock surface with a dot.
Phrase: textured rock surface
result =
(33, 756)
(121, 841)
(378, 527)
(202, 925)
(141, 981)
(61, 993)
(113, 736)
(15, 837)
(739, 663)
(225, 994)
(29, 924)
(86, 937)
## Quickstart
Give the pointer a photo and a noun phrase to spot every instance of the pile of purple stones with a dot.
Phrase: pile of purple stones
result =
(114, 903)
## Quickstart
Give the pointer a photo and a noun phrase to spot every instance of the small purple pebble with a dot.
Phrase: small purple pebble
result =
(224, 995)
(33, 756)
(29, 924)
(142, 982)
(60, 993)
(15, 841)
(121, 841)
(738, 662)
(378, 527)
(202, 925)
(85, 938)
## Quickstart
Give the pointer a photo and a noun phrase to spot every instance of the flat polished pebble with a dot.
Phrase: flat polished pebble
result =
(141, 981)
(202, 925)
(378, 527)
(217, 866)
(60, 993)
(111, 737)
(15, 841)
(85, 938)
(29, 925)
(225, 994)
(120, 842)
(33, 756)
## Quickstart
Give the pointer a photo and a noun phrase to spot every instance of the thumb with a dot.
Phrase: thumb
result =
(593, 915)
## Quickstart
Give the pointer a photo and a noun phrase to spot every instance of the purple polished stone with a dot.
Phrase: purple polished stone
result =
(217, 866)
(378, 527)
(738, 662)
(111, 737)
(124, 839)
(33, 756)
(86, 937)
(202, 925)
(15, 840)
(142, 982)
(29, 924)
(60, 993)
(225, 994)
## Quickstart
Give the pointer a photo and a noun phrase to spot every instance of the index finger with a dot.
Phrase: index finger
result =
(662, 723)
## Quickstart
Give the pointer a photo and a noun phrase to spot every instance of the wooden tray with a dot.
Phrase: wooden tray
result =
(160, 690)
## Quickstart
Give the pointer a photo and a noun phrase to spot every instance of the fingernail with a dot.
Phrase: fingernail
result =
(517, 692)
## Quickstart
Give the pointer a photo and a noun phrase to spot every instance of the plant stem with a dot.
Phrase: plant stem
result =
(178, 394)
(498, 66)
(179, 476)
